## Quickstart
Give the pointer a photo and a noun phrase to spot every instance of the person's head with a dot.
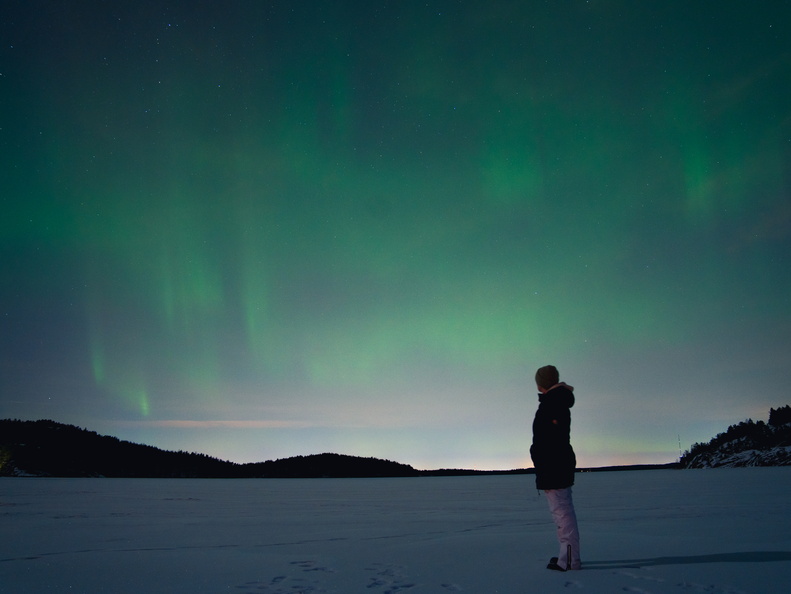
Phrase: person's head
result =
(546, 377)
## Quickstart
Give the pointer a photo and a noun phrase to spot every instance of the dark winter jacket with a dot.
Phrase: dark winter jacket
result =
(552, 454)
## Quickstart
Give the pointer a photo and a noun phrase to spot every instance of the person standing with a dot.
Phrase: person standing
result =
(555, 462)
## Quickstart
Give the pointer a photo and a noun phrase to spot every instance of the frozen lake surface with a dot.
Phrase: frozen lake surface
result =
(713, 531)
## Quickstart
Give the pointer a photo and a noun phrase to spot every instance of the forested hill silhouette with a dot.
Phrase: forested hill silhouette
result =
(747, 444)
(47, 448)
(329, 465)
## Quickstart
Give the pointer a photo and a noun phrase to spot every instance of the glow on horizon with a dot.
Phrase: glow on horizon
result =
(237, 440)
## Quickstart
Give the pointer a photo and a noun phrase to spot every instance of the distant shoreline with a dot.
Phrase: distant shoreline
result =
(466, 472)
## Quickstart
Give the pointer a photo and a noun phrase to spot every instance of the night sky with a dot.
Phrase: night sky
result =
(261, 229)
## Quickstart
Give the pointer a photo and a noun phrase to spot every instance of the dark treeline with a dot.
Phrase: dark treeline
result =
(745, 436)
(47, 448)
(329, 465)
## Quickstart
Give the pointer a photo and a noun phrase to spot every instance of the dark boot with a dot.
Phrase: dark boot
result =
(553, 564)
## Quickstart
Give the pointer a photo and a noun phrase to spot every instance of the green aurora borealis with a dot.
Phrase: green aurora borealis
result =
(263, 229)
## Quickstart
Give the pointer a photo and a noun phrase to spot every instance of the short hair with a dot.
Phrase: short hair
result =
(547, 376)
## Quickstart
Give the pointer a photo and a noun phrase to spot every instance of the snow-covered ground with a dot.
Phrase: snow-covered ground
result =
(725, 530)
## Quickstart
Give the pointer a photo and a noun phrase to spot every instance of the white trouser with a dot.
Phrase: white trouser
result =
(562, 508)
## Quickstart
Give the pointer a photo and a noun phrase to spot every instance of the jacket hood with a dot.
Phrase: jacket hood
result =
(561, 394)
